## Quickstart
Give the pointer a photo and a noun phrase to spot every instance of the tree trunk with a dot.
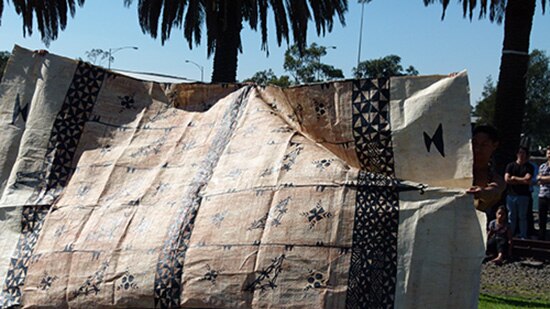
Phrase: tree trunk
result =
(510, 98)
(227, 42)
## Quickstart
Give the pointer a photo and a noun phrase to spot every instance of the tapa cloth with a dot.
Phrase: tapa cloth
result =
(118, 192)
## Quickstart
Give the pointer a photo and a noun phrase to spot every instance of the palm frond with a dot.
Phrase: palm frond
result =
(149, 14)
(1, 10)
(263, 23)
(193, 21)
(299, 15)
(51, 16)
(281, 24)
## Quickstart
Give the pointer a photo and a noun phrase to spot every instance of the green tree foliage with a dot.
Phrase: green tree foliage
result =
(4, 56)
(536, 122)
(306, 67)
(51, 16)
(537, 109)
(223, 22)
(97, 55)
(382, 67)
(485, 108)
(268, 77)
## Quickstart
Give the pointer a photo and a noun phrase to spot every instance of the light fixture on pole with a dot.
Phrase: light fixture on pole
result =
(114, 50)
(198, 66)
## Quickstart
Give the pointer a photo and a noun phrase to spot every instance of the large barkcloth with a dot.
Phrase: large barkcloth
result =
(117, 192)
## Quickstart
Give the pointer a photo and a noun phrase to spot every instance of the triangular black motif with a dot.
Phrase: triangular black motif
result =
(436, 139)
(18, 110)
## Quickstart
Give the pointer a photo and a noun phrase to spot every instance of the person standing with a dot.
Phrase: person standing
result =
(518, 177)
(543, 179)
(488, 185)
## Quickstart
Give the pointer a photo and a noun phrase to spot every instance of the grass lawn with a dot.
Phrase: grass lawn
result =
(487, 301)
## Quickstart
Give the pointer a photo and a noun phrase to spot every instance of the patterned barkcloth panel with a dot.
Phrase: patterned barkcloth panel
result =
(119, 192)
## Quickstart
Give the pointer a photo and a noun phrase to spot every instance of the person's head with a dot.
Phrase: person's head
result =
(523, 154)
(501, 214)
(484, 143)
(548, 153)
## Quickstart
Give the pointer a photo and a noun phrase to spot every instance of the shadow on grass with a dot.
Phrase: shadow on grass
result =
(512, 302)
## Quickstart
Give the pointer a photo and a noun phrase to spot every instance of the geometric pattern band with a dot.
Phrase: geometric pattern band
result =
(57, 166)
(371, 126)
(31, 224)
(373, 264)
(169, 273)
(68, 127)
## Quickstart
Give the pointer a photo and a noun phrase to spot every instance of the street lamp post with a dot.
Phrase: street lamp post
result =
(198, 66)
(114, 50)
(360, 34)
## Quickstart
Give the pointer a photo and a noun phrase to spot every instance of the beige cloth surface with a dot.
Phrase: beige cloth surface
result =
(125, 193)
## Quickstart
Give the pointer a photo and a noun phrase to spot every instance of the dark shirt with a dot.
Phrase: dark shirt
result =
(517, 170)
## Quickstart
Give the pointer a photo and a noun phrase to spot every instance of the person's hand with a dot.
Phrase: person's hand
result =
(474, 190)
(41, 52)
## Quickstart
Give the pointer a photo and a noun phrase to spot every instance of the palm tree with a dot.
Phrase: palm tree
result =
(224, 22)
(510, 96)
(51, 16)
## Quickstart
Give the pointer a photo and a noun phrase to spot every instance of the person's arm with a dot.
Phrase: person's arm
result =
(490, 234)
(517, 180)
(541, 179)
(508, 178)
(492, 193)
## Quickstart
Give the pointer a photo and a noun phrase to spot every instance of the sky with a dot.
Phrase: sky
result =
(405, 28)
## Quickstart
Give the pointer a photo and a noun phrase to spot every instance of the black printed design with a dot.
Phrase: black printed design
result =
(289, 159)
(31, 225)
(373, 264)
(279, 211)
(169, 272)
(285, 129)
(316, 214)
(268, 172)
(436, 139)
(371, 127)
(152, 149)
(186, 146)
(64, 137)
(320, 109)
(259, 223)
(93, 282)
(47, 281)
(29, 179)
(218, 218)
(68, 127)
(315, 280)
(19, 111)
(127, 102)
(322, 164)
(267, 277)
(127, 282)
(211, 275)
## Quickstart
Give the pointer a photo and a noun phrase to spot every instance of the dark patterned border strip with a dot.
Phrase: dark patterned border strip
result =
(68, 127)
(169, 272)
(31, 225)
(371, 126)
(373, 265)
(64, 137)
